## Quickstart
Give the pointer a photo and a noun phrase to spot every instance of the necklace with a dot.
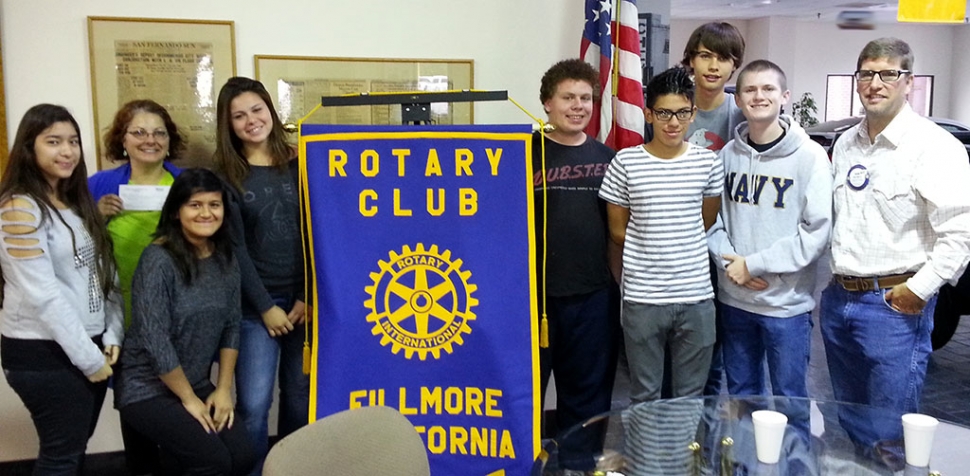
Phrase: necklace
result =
(78, 259)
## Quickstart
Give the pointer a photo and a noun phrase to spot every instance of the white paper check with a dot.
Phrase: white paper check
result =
(143, 197)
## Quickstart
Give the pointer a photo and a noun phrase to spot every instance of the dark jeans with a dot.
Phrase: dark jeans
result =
(178, 434)
(583, 342)
(750, 339)
(141, 453)
(64, 406)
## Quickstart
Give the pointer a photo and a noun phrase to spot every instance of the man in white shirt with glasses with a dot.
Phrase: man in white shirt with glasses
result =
(901, 230)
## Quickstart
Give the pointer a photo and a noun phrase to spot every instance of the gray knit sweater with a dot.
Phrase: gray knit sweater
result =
(176, 325)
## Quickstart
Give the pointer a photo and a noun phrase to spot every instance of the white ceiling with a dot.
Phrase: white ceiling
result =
(883, 10)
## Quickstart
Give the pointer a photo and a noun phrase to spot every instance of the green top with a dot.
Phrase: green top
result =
(132, 233)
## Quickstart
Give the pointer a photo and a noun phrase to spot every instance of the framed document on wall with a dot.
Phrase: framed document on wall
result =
(297, 83)
(180, 64)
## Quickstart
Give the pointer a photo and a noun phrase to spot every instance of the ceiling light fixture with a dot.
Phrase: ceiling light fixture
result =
(752, 3)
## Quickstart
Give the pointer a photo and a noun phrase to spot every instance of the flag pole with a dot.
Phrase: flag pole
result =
(616, 63)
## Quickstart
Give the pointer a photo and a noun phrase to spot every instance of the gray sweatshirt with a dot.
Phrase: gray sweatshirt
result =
(53, 292)
(776, 212)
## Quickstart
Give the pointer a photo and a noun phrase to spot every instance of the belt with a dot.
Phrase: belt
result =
(856, 283)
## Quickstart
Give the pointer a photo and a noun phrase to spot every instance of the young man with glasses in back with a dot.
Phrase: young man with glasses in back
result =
(901, 230)
(712, 54)
(661, 198)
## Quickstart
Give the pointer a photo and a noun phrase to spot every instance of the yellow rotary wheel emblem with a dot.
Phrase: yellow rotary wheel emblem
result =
(420, 302)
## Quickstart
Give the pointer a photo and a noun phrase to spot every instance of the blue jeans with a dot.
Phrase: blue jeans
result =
(876, 356)
(750, 339)
(64, 406)
(259, 355)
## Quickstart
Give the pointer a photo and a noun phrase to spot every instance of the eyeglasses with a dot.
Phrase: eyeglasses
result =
(886, 75)
(665, 114)
(142, 134)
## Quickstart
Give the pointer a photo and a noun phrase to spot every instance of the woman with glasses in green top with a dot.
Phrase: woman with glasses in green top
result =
(143, 136)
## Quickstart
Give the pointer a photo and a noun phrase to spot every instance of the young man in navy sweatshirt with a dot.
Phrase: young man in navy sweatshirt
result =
(774, 224)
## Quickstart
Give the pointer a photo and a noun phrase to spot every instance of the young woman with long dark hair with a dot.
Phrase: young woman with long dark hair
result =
(185, 310)
(254, 157)
(61, 322)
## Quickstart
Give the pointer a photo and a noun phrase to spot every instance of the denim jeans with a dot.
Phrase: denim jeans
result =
(688, 330)
(583, 343)
(64, 406)
(259, 356)
(750, 339)
(876, 356)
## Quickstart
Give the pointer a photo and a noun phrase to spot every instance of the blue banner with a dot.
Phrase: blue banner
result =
(422, 250)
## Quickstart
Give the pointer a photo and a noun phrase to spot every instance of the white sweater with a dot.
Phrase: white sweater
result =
(51, 295)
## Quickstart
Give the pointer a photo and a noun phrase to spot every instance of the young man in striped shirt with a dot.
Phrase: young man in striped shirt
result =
(662, 197)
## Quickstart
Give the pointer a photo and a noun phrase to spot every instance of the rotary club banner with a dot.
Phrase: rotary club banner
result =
(422, 250)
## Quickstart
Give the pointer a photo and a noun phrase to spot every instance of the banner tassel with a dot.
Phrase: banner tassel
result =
(544, 332)
(306, 358)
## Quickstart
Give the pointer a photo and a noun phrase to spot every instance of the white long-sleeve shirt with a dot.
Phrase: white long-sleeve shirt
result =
(913, 215)
(50, 294)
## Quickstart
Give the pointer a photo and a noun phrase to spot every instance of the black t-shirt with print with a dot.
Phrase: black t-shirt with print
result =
(577, 230)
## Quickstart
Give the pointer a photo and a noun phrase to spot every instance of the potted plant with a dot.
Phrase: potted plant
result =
(804, 110)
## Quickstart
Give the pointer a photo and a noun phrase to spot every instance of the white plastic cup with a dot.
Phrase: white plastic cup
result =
(769, 431)
(918, 432)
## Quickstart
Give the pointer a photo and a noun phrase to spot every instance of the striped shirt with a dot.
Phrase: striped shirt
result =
(665, 254)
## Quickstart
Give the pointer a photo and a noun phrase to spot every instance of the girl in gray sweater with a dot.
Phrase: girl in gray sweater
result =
(185, 310)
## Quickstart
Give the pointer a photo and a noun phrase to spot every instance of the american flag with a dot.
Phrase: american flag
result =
(597, 48)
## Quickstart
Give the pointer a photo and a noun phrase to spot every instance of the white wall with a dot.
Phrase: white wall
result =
(45, 59)
(819, 48)
(823, 49)
(45, 54)
(960, 94)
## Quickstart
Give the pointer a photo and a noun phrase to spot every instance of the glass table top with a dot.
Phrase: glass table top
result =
(714, 436)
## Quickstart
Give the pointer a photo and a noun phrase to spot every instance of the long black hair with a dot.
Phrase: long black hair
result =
(169, 233)
(23, 177)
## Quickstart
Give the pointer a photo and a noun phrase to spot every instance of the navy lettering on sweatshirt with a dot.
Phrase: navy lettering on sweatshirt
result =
(741, 189)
